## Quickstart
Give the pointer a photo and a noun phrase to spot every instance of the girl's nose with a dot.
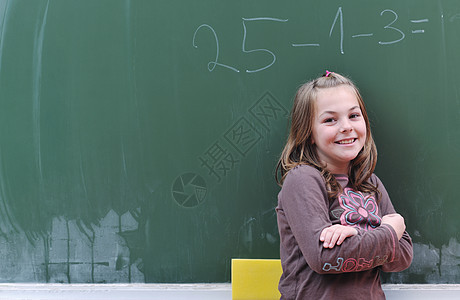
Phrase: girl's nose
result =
(345, 126)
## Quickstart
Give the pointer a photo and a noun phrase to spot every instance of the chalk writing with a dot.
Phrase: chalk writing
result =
(417, 22)
(339, 15)
(212, 64)
(362, 35)
(337, 24)
(258, 50)
(389, 26)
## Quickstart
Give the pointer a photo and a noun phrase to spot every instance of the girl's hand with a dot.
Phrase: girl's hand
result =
(336, 234)
(397, 222)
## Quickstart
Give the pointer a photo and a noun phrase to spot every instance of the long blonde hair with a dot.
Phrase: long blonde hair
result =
(300, 150)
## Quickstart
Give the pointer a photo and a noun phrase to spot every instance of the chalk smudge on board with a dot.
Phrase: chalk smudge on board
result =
(432, 265)
(73, 253)
(3, 22)
(36, 83)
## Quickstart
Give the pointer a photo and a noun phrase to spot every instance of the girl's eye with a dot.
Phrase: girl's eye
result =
(328, 120)
(355, 115)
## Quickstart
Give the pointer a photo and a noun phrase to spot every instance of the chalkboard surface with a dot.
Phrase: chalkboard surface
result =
(138, 138)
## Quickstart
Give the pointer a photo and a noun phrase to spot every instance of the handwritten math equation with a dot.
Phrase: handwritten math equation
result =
(336, 25)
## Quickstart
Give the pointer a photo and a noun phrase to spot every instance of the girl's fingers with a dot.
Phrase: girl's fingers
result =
(341, 239)
(327, 238)
(335, 236)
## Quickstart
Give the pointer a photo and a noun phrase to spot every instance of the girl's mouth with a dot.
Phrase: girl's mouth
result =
(346, 142)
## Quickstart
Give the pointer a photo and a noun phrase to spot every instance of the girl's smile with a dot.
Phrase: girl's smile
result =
(339, 129)
(346, 142)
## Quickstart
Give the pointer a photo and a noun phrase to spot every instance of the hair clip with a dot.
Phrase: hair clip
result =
(328, 73)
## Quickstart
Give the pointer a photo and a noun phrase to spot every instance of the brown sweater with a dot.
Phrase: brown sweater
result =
(349, 271)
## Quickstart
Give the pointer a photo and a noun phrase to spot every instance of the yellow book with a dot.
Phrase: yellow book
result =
(255, 279)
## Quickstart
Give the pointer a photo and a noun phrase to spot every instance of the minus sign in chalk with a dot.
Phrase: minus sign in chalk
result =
(419, 21)
(418, 31)
(305, 45)
(362, 35)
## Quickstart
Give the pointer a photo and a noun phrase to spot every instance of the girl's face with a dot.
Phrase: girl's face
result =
(339, 129)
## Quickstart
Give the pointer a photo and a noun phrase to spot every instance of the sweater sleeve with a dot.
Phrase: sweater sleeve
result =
(404, 253)
(304, 205)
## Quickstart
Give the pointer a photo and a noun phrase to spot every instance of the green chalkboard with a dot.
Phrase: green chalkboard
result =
(138, 138)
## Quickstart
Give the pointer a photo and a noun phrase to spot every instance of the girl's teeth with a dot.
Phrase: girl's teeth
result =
(346, 141)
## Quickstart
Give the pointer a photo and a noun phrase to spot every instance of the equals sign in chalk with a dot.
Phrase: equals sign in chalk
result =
(417, 22)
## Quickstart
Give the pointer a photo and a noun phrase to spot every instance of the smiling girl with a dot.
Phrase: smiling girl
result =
(337, 225)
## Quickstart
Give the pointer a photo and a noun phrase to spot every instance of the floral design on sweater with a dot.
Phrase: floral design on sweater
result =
(359, 210)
